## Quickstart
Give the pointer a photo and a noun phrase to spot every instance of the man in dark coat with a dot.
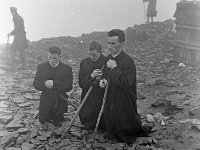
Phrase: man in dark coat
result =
(90, 70)
(122, 120)
(54, 79)
(20, 42)
(151, 9)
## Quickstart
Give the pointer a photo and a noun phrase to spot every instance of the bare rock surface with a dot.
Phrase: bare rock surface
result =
(168, 95)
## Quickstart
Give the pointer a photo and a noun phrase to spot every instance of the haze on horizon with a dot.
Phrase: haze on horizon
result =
(54, 18)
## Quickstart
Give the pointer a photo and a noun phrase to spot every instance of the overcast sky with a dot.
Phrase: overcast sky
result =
(52, 18)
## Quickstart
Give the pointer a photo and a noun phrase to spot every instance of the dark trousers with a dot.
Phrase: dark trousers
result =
(13, 54)
(52, 115)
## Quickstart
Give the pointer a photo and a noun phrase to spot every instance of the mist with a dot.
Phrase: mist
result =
(53, 18)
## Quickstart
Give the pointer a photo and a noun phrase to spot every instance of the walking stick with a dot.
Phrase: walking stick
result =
(7, 46)
(77, 112)
(101, 111)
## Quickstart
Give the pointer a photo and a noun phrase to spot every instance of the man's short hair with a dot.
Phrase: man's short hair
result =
(54, 50)
(95, 45)
(117, 32)
(13, 9)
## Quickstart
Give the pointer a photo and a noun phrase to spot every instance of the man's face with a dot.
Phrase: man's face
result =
(94, 54)
(53, 59)
(114, 45)
(12, 13)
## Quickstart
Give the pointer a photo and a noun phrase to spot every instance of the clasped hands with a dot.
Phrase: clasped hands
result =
(49, 84)
(9, 34)
(97, 73)
(111, 64)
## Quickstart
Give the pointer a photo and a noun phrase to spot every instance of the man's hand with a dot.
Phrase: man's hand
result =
(8, 34)
(96, 73)
(111, 64)
(49, 84)
(103, 83)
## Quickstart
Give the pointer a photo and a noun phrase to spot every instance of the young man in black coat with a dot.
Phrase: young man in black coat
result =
(54, 79)
(90, 71)
(122, 120)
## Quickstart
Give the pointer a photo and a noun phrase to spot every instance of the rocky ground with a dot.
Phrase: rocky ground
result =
(168, 95)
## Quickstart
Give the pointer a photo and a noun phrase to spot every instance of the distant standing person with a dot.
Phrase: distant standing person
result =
(20, 42)
(54, 79)
(151, 10)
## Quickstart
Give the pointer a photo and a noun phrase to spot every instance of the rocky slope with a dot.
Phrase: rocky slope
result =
(168, 95)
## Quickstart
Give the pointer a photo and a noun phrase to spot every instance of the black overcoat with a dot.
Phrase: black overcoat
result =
(90, 111)
(122, 120)
(62, 82)
(20, 41)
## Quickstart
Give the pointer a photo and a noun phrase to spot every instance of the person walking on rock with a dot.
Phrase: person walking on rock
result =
(151, 10)
(20, 42)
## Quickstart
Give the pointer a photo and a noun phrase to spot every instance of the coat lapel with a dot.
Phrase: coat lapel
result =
(58, 70)
(50, 73)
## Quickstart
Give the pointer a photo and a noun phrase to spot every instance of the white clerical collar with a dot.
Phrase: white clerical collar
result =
(116, 54)
(56, 65)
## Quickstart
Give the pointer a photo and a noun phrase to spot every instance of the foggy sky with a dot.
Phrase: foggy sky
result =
(52, 18)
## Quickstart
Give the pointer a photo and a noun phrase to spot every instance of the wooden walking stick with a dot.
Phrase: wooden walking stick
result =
(7, 47)
(70, 103)
(101, 111)
(145, 17)
(77, 112)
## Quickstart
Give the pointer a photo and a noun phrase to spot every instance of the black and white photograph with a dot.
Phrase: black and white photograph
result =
(99, 74)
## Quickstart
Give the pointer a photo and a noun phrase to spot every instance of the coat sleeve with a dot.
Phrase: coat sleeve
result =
(39, 83)
(85, 80)
(64, 85)
(18, 25)
(126, 78)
